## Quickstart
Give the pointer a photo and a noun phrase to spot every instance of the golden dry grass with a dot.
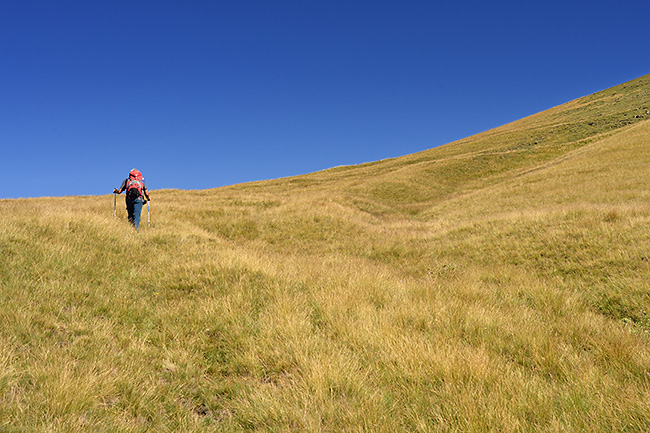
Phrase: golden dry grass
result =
(494, 284)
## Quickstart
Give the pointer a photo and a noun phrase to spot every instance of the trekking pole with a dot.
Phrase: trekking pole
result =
(148, 216)
(114, 206)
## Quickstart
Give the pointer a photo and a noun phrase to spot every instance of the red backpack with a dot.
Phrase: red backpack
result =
(135, 184)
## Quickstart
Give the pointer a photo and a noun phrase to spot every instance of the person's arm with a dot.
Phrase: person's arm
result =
(122, 188)
(145, 191)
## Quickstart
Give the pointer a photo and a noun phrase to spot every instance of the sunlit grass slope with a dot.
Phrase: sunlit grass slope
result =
(499, 283)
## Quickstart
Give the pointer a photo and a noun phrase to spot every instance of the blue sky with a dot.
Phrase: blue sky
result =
(201, 94)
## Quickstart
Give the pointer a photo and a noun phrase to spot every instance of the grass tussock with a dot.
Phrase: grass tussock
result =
(494, 284)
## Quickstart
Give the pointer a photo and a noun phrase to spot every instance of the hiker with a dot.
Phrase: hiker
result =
(136, 191)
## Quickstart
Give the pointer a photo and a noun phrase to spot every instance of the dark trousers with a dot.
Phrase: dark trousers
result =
(134, 209)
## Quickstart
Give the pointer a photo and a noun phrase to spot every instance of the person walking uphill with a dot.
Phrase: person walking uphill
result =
(136, 191)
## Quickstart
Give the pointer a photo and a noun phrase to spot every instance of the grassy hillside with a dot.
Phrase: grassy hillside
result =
(498, 283)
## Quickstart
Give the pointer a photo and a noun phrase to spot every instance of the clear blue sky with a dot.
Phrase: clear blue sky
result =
(201, 94)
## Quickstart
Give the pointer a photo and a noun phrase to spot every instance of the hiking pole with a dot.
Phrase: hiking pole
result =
(114, 206)
(148, 215)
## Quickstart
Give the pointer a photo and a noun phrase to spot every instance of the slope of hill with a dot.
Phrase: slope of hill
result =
(498, 283)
